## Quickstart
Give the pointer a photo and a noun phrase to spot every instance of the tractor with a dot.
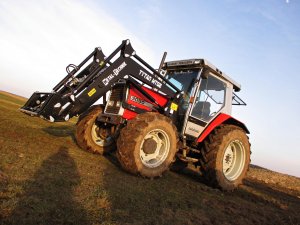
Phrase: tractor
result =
(177, 114)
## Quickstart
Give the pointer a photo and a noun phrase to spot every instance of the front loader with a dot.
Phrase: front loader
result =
(179, 113)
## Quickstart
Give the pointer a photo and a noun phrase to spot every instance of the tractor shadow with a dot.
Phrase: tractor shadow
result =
(185, 198)
(111, 156)
(187, 170)
(61, 131)
(48, 195)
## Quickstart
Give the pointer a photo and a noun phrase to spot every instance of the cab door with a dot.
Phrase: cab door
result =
(208, 101)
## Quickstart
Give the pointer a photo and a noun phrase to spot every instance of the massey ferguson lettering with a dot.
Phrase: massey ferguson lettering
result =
(140, 101)
(115, 73)
(150, 79)
(137, 100)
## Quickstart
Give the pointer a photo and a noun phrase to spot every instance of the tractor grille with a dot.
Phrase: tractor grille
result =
(114, 102)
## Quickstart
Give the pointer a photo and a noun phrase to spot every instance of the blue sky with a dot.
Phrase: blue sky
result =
(256, 42)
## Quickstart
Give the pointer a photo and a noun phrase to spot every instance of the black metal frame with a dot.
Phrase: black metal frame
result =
(237, 99)
(71, 97)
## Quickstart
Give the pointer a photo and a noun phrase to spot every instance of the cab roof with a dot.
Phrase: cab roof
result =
(200, 63)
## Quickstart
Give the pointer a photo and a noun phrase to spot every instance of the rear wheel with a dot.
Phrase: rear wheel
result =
(226, 157)
(93, 136)
(147, 145)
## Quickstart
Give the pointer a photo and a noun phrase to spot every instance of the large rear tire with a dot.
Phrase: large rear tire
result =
(226, 157)
(147, 145)
(90, 135)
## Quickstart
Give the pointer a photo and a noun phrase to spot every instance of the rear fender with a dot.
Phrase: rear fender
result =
(222, 118)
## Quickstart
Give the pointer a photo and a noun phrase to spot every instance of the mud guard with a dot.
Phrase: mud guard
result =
(222, 118)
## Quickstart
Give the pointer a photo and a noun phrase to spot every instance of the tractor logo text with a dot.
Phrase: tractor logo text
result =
(137, 100)
(150, 79)
(115, 73)
(193, 129)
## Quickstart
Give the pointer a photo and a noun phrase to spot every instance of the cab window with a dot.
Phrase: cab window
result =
(209, 99)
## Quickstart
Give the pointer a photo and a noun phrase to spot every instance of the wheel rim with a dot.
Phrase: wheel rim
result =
(234, 160)
(159, 152)
(101, 136)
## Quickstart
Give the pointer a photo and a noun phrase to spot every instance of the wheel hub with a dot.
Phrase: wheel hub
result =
(149, 146)
(228, 158)
(234, 160)
(155, 148)
(103, 133)
(101, 136)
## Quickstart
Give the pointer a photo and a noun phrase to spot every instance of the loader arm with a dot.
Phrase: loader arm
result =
(85, 84)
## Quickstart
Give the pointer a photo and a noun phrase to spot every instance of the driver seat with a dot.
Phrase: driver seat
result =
(202, 110)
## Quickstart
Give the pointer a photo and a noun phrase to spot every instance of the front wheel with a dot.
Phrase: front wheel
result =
(147, 145)
(93, 136)
(226, 157)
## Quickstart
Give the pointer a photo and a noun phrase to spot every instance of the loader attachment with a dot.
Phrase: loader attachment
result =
(91, 80)
(55, 105)
(44, 105)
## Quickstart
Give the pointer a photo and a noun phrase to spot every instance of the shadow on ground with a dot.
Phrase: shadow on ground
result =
(60, 131)
(184, 198)
(48, 196)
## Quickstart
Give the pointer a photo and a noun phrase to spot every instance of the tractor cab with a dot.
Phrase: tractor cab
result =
(207, 92)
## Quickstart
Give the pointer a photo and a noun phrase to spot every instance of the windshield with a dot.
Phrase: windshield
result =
(183, 79)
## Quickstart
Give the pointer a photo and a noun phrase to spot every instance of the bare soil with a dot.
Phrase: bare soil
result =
(46, 179)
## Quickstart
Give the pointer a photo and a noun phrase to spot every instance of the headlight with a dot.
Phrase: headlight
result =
(118, 104)
(110, 103)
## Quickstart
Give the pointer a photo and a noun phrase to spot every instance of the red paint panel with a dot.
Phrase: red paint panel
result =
(128, 114)
(136, 93)
(160, 99)
(216, 122)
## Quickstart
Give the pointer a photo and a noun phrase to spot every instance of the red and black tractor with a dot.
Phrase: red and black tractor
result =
(178, 114)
